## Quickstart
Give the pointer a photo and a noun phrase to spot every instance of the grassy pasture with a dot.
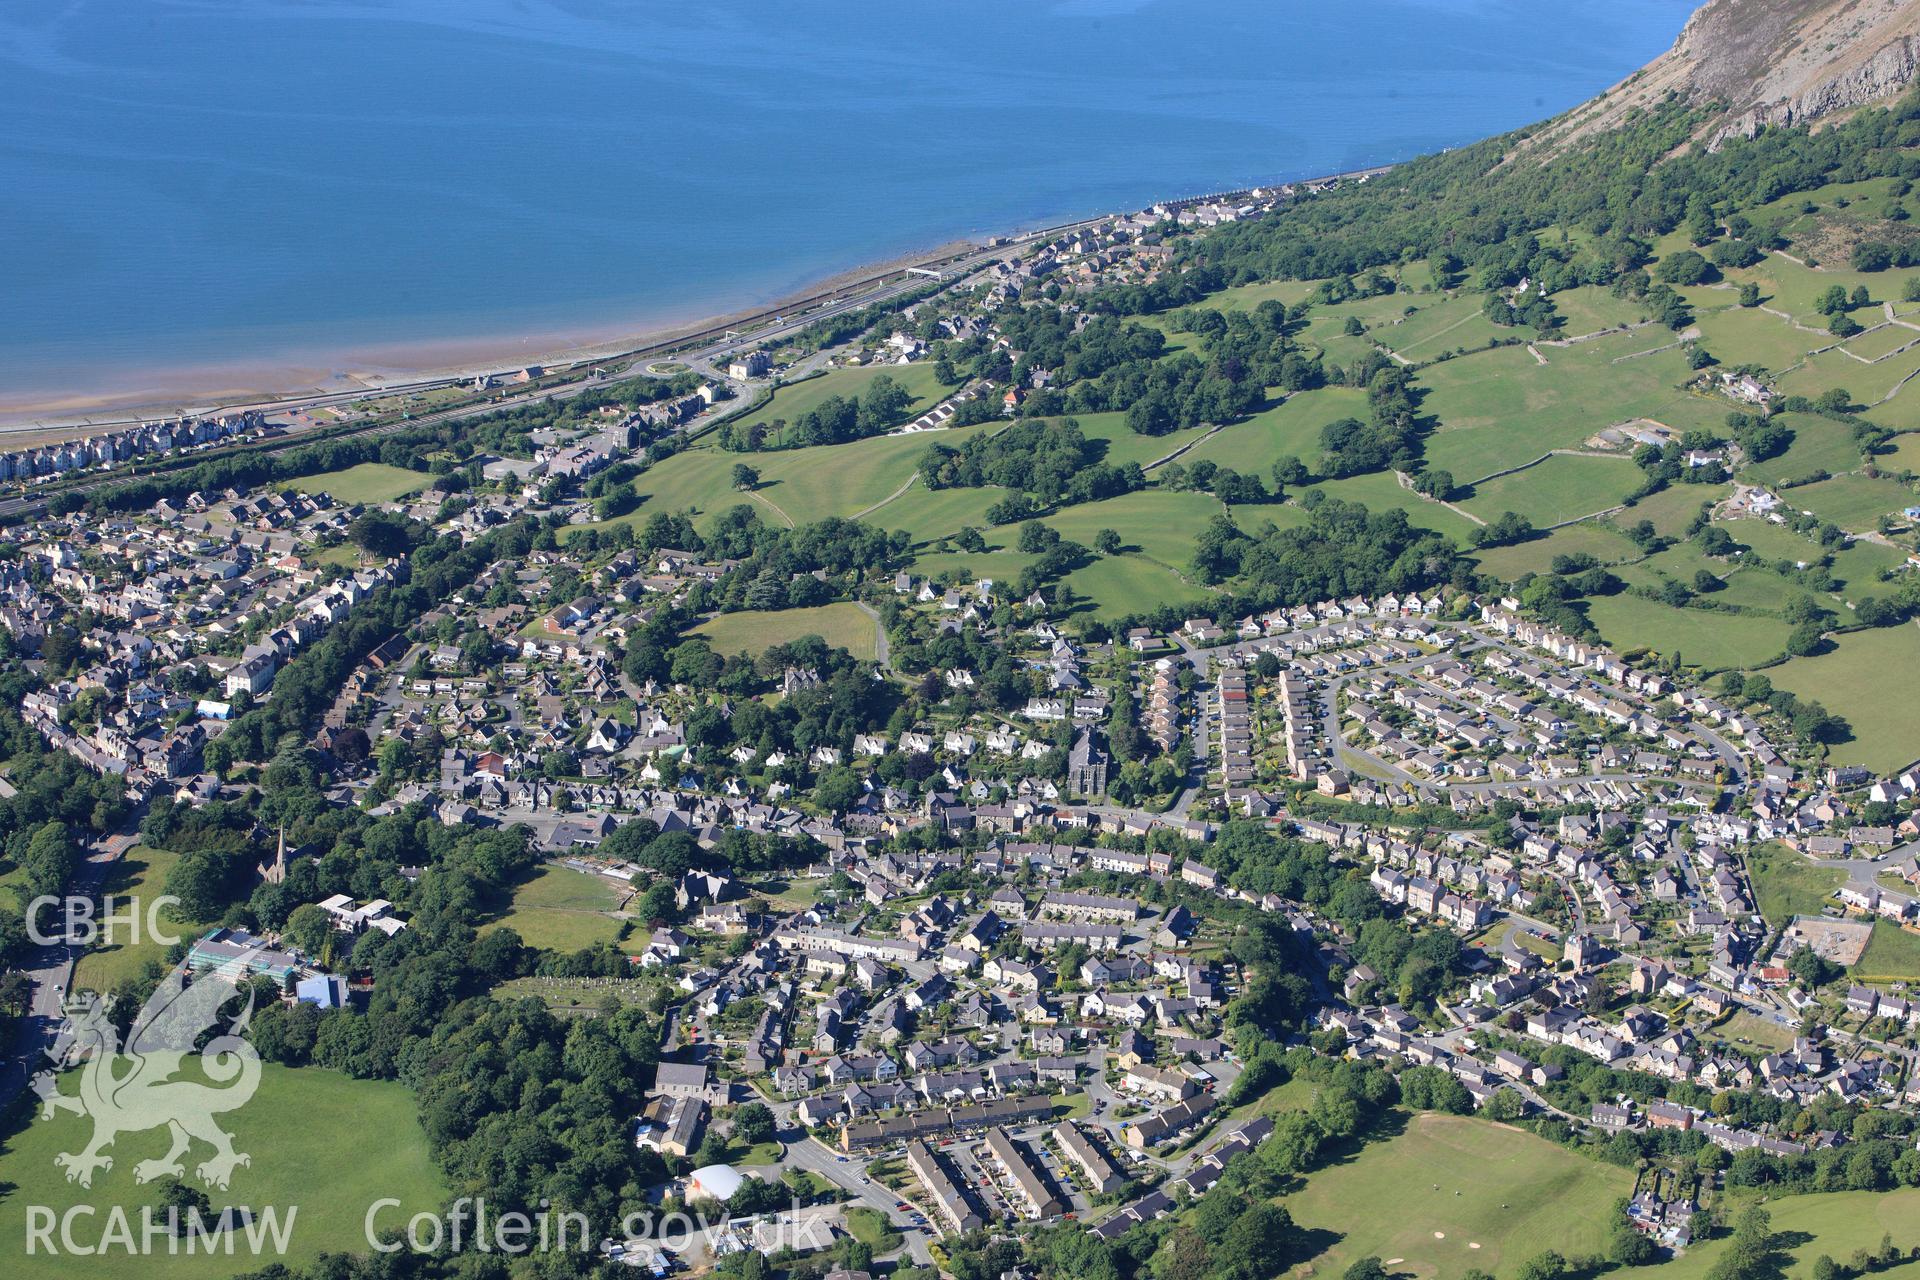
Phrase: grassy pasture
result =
(1161, 523)
(1561, 488)
(1588, 537)
(799, 398)
(1132, 584)
(1787, 884)
(365, 483)
(1590, 308)
(1672, 509)
(1380, 491)
(1832, 1223)
(1124, 444)
(321, 1145)
(1703, 638)
(841, 625)
(1892, 954)
(1860, 679)
(560, 909)
(1855, 503)
(1819, 444)
(1499, 408)
(136, 879)
(1441, 326)
(1752, 336)
(1290, 428)
(1866, 384)
(1882, 341)
(1465, 1194)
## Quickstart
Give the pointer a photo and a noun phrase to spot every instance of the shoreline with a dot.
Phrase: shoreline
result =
(36, 417)
(176, 390)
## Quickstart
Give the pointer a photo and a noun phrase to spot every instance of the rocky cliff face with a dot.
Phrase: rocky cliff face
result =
(1768, 62)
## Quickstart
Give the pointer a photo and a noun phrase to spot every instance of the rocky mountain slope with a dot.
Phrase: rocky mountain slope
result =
(1768, 62)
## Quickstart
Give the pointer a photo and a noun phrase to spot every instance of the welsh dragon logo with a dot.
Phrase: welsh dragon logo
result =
(133, 1088)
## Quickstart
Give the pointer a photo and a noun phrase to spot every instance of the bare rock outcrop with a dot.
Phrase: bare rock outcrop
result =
(1766, 62)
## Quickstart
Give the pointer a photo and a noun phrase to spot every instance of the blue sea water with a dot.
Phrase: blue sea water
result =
(207, 182)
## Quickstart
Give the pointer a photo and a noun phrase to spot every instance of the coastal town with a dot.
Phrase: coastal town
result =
(957, 772)
(986, 990)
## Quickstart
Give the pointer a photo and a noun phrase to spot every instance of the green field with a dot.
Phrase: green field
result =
(1497, 409)
(1866, 384)
(1672, 509)
(323, 1147)
(1589, 537)
(1880, 342)
(1560, 489)
(1805, 1227)
(1786, 884)
(797, 485)
(560, 909)
(139, 876)
(795, 399)
(1288, 429)
(1443, 325)
(1122, 444)
(1892, 955)
(1757, 337)
(367, 482)
(1590, 308)
(1858, 566)
(1819, 444)
(1703, 638)
(1458, 1194)
(1160, 523)
(1124, 584)
(1380, 491)
(1855, 503)
(843, 626)
(1863, 679)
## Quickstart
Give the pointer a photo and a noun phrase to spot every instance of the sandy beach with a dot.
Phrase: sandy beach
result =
(30, 416)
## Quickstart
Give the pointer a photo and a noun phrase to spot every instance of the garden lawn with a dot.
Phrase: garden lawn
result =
(1892, 955)
(1867, 679)
(560, 909)
(321, 1143)
(1448, 1183)
(366, 482)
(1786, 884)
(843, 626)
(1560, 489)
(1702, 637)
